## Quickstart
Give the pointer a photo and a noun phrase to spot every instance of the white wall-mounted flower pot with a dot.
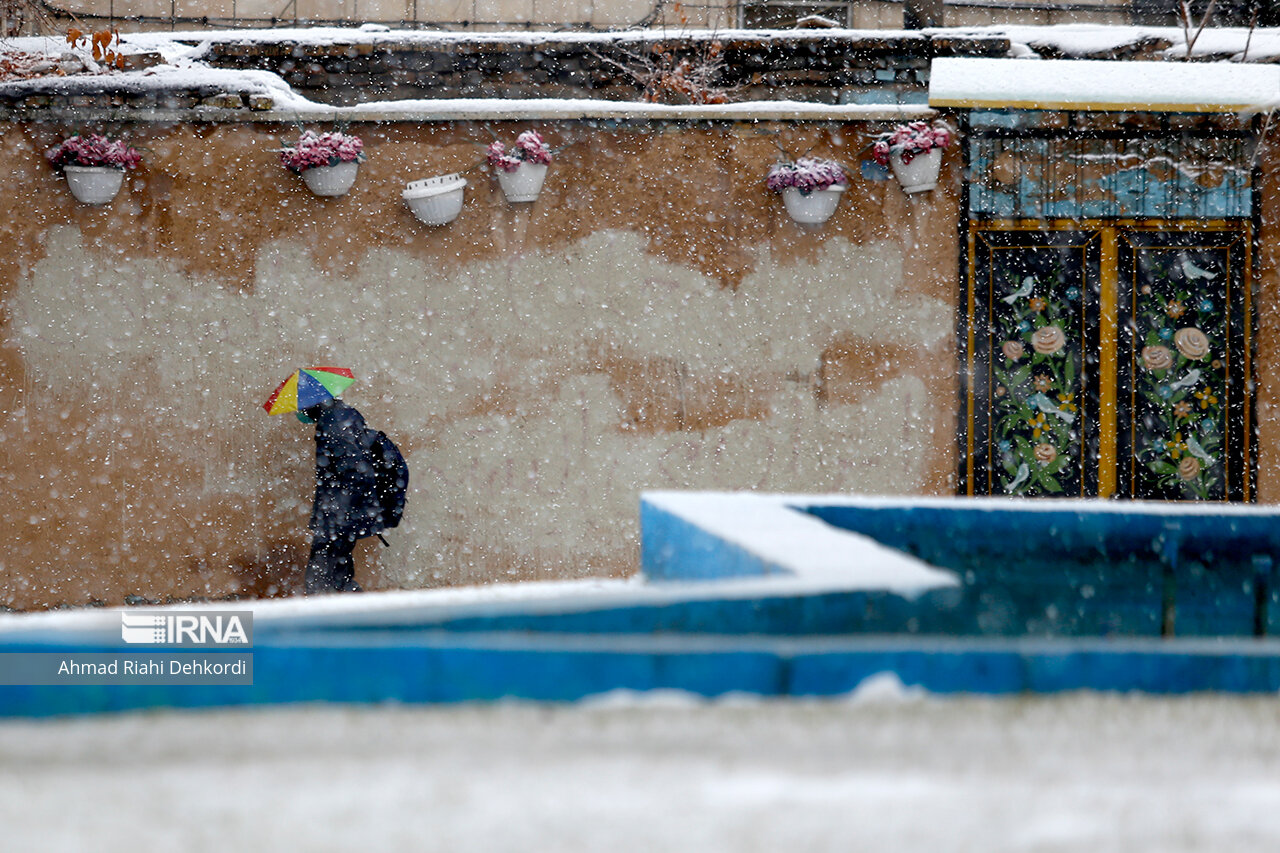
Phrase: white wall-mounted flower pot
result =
(435, 201)
(93, 184)
(812, 208)
(524, 184)
(331, 180)
(920, 174)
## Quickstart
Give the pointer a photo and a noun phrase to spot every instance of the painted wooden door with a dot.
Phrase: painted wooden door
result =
(1108, 359)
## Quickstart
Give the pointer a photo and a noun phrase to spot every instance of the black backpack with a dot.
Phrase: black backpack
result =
(391, 476)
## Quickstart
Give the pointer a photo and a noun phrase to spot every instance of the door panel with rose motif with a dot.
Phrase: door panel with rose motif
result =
(1107, 359)
(1184, 412)
(1035, 335)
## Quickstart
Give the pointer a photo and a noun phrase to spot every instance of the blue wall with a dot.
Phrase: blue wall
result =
(1054, 598)
(439, 667)
(1129, 570)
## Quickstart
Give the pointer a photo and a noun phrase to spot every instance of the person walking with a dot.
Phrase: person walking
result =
(347, 507)
(361, 476)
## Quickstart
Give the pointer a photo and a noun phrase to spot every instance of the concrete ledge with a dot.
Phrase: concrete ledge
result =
(475, 109)
(572, 108)
(699, 535)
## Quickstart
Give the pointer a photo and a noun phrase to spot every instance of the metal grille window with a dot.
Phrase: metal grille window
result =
(781, 14)
(1179, 177)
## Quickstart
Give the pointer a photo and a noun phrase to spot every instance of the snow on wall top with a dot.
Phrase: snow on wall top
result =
(816, 556)
(1101, 85)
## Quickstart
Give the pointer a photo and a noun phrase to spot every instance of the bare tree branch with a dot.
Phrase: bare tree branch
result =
(1184, 13)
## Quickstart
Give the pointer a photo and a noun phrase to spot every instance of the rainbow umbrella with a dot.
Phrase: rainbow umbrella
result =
(308, 386)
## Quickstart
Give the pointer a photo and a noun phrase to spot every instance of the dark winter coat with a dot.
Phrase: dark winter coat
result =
(346, 503)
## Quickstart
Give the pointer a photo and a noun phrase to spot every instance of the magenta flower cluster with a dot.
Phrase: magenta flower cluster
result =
(529, 148)
(909, 141)
(93, 150)
(322, 149)
(806, 174)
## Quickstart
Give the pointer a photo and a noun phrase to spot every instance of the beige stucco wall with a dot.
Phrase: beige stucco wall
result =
(653, 321)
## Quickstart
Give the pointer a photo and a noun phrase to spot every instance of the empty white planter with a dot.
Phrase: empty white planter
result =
(93, 184)
(920, 174)
(524, 184)
(331, 180)
(812, 208)
(435, 201)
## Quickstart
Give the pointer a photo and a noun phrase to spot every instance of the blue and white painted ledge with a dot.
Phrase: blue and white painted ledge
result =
(775, 595)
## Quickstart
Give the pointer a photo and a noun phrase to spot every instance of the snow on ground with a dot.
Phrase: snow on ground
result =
(883, 770)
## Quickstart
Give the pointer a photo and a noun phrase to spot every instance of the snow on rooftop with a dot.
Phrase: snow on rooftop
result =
(185, 69)
(376, 34)
(1102, 85)
(1123, 85)
(1078, 40)
(1092, 40)
(196, 42)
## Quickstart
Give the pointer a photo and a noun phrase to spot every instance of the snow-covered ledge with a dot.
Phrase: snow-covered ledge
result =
(1061, 84)
(551, 109)
(702, 536)
(251, 95)
(288, 108)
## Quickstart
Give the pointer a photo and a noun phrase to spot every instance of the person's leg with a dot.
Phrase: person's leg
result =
(331, 567)
(322, 565)
(344, 568)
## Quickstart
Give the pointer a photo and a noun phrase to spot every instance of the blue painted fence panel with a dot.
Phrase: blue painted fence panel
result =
(430, 669)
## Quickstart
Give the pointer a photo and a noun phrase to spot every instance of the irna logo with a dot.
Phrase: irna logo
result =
(215, 628)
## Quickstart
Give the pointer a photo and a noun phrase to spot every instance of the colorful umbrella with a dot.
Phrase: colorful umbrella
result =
(308, 386)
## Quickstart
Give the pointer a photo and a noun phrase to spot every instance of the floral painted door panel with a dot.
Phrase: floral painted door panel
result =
(1036, 336)
(1184, 414)
(1108, 360)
